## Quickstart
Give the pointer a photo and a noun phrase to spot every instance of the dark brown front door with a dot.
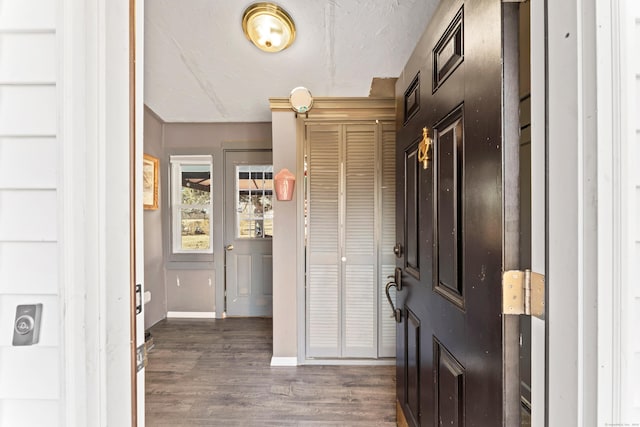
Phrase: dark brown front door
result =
(455, 219)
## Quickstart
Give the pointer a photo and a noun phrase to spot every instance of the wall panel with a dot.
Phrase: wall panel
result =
(18, 271)
(27, 215)
(29, 250)
(31, 413)
(28, 57)
(28, 163)
(28, 110)
(33, 15)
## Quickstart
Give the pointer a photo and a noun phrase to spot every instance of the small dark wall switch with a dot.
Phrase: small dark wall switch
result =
(26, 328)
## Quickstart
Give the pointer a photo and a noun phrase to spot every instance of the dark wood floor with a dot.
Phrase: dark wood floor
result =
(217, 373)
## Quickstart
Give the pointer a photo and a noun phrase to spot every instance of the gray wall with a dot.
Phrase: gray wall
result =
(154, 275)
(185, 282)
(285, 240)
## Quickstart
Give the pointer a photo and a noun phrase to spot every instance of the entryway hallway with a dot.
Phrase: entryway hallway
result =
(218, 373)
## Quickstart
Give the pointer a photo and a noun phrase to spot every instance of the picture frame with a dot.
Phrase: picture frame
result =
(150, 170)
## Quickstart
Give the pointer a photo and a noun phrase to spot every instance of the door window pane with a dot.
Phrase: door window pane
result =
(254, 197)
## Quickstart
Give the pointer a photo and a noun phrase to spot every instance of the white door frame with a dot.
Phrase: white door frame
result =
(94, 192)
(94, 198)
(138, 101)
(616, 196)
(571, 263)
(538, 200)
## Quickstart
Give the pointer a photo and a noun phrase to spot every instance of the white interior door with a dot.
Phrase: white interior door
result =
(248, 232)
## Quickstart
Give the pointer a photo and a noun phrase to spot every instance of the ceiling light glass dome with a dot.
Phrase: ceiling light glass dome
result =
(268, 26)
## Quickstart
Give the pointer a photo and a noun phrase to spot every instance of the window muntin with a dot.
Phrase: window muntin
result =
(191, 204)
(254, 201)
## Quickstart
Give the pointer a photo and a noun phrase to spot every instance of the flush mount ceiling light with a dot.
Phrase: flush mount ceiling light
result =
(268, 26)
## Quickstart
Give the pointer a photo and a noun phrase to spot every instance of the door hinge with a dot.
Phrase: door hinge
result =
(523, 293)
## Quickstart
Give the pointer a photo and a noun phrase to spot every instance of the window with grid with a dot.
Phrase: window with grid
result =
(191, 204)
(254, 196)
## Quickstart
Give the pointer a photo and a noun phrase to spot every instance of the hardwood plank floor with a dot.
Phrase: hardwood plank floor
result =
(218, 373)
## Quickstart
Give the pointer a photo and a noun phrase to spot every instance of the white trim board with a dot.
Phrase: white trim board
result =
(350, 362)
(571, 266)
(284, 361)
(191, 315)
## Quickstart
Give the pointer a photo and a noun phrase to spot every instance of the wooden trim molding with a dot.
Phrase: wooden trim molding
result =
(355, 108)
(401, 420)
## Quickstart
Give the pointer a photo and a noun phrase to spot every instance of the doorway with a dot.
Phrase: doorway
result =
(248, 230)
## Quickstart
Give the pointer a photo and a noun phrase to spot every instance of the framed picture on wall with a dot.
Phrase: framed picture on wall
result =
(150, 172)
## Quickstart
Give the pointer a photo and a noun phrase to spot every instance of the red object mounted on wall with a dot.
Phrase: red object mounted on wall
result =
(285, 182)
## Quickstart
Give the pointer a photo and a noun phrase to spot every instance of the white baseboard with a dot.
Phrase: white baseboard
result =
(191, 315)
(284, 361)
(351, 362)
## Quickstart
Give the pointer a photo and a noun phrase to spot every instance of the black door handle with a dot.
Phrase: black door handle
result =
(397, 313)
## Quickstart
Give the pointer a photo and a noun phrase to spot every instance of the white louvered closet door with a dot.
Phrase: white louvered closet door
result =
(387, 259)
(323, 241)
(359, 258)
(351, 214)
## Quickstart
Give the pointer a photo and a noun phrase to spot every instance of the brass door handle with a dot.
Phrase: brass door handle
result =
(228, 248)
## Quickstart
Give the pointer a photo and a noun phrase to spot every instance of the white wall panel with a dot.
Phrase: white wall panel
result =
(49, 327)
(27, 14)
(27, 58)
(28, 110)
(635, 398)
(28, 268)
(31, 413)
(29, 373)
(636, 157)
(637, 89)
(28, 163)
(28, 215)
(631, 356)
(636, 255)
(635, 225)
(636, 58)
(30, 384)
(634, 311)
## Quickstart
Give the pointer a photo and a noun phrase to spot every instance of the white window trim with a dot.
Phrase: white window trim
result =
(174, 198)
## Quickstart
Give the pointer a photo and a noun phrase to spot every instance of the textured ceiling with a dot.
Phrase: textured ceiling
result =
(199, 67)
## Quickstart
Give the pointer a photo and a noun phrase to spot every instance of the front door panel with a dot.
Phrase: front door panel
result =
(450, 220)
(448, 169)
